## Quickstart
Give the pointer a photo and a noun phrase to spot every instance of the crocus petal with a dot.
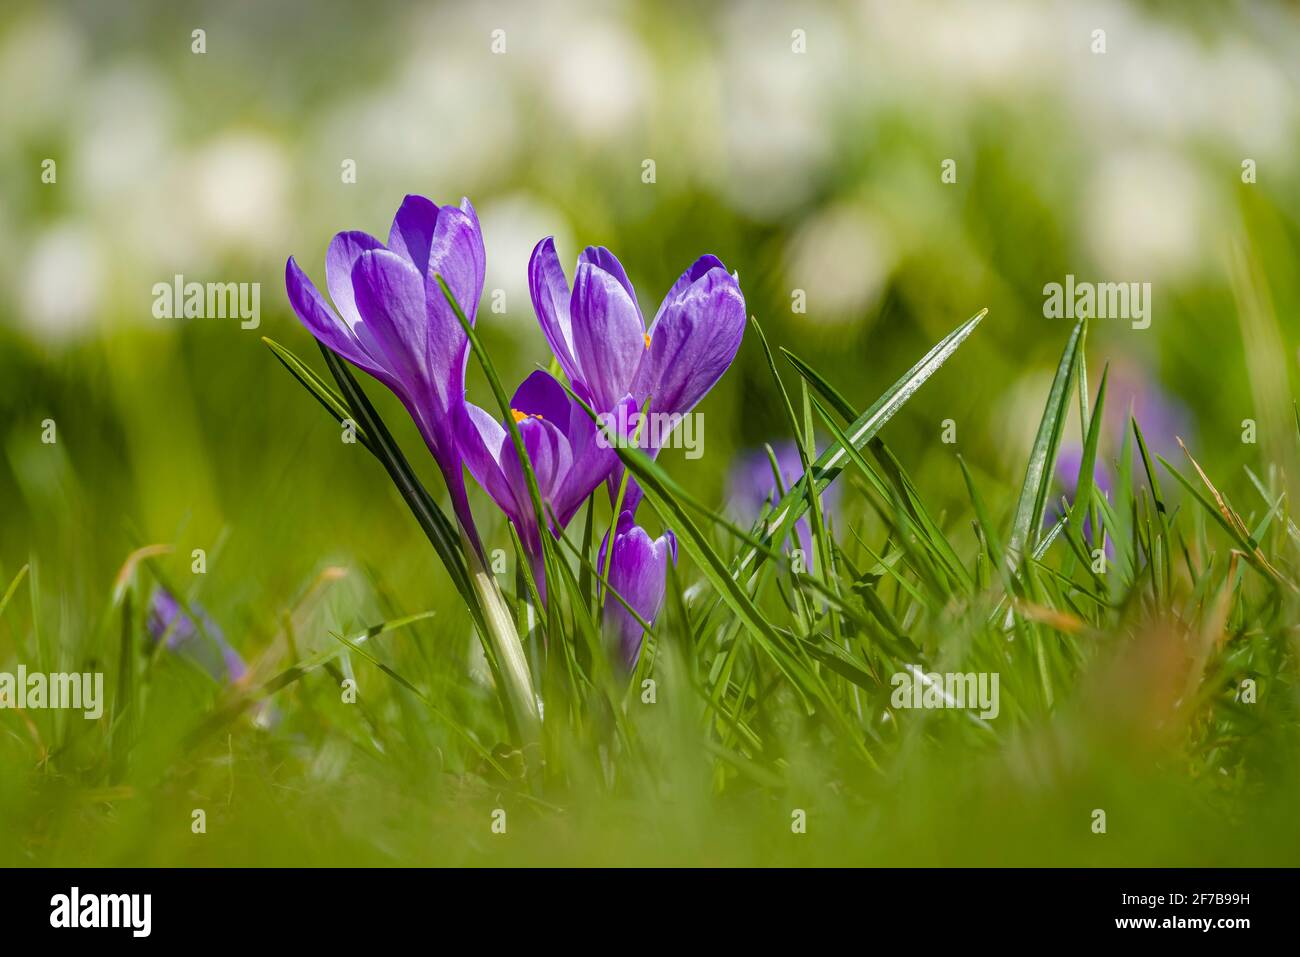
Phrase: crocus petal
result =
(393, 328)
(603, 259)
(588, 471)
(483, 442)
(621, 423)
(694, 342)
(608, 335)
(550, 294)
(345, 249)
(489, 454)
(589, 463)
(456, 253)
(548, 455)
(390, 325)
(321, 321)
(540, 394)
(687, 279)
(594, 459)
(412, 231)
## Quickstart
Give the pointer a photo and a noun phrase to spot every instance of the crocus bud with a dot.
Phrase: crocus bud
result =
(638, 571)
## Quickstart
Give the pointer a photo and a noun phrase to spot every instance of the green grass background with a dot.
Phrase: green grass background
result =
(819, 172)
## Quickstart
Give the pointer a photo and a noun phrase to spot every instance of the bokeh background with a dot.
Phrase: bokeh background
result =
(817, 171)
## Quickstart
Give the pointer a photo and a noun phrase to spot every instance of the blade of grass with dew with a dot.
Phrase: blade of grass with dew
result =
(829, 463)
(1042, 457)
(913, 538)
(898, 475)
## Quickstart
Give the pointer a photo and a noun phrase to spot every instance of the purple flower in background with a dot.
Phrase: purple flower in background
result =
(1129, 391)
(638, 571)
(1162, 418)
(1068, 462)
(561, 441)
(203, 643)
(391, 319)
(600, 339)
(751, 484)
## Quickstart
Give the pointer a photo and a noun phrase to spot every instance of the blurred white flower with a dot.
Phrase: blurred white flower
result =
(123, 126)
(1161, 80)
(512, 226)
(598, 79)
(239, 185)
(62, 281)
(443, 123)
(841, 258)
(1255, 104)
(776, 105)
(957, 49)
(1144, 217)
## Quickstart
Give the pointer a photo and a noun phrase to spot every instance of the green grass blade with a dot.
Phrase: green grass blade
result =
(1088, 461)
(1042, 457)
(830, 463)
(437, 527)
(331, 400)
(818, 382)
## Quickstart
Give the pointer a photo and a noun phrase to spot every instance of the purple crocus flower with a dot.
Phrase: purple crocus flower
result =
(563, 450)
(201, 642)
(638, 571)
(600, 338)
(391, 319)
(751, 485)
